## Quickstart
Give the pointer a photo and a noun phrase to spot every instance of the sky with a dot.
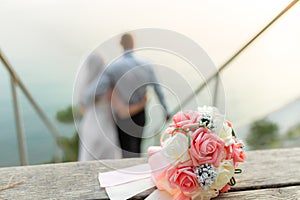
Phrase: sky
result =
(75, 26)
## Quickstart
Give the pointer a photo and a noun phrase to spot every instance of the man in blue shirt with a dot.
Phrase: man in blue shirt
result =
(130, 75)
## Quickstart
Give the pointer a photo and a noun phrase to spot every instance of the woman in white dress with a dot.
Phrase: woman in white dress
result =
(97, 132)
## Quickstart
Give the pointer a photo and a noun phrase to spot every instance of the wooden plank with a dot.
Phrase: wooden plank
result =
(60, 181)
(283, 193)
(262, 169)
(269, 168)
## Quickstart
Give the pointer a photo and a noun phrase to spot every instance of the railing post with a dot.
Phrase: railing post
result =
(16, 81)
(19, 125)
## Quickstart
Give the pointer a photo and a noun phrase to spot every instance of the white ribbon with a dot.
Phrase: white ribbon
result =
(127, 182)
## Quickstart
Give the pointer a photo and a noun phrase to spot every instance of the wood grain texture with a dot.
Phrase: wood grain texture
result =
(283, 193)
(60, 181)
(271, 169)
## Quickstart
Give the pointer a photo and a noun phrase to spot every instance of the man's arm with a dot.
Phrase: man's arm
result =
(124, 110)
(97, 87)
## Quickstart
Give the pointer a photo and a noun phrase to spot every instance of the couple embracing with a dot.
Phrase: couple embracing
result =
(114, 100)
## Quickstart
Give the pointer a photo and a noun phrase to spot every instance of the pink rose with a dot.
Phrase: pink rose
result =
(225, 188)
(235, 152)
(183, 177)
(183, 118)
(228, 152)
(238, 154)
(206, 147)
(229, 124)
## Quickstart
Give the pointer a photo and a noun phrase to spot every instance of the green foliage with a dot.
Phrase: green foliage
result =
(69, 146)
(263, 135)
(293, 133)
(65, 116)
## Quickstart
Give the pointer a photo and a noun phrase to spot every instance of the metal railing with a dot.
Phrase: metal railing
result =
(16, 81)
(235, 55)
(216, 75)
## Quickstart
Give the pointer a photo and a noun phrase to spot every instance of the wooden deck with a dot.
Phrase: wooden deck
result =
(267, 174)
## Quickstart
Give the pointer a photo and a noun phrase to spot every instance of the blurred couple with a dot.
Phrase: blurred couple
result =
(113, 99)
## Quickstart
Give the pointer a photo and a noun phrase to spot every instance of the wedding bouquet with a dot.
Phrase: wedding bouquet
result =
(197, 159)
(198, 156)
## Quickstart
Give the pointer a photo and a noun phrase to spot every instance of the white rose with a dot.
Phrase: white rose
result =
(217, 117)
(175, 149)
(224, 174)
(225, 133)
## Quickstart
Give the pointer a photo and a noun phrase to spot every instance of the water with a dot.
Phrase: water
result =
(52, 92)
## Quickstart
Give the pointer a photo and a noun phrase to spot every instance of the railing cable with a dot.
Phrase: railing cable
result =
(223, 66)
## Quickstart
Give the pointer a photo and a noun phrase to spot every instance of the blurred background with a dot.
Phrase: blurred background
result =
(46, 41)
